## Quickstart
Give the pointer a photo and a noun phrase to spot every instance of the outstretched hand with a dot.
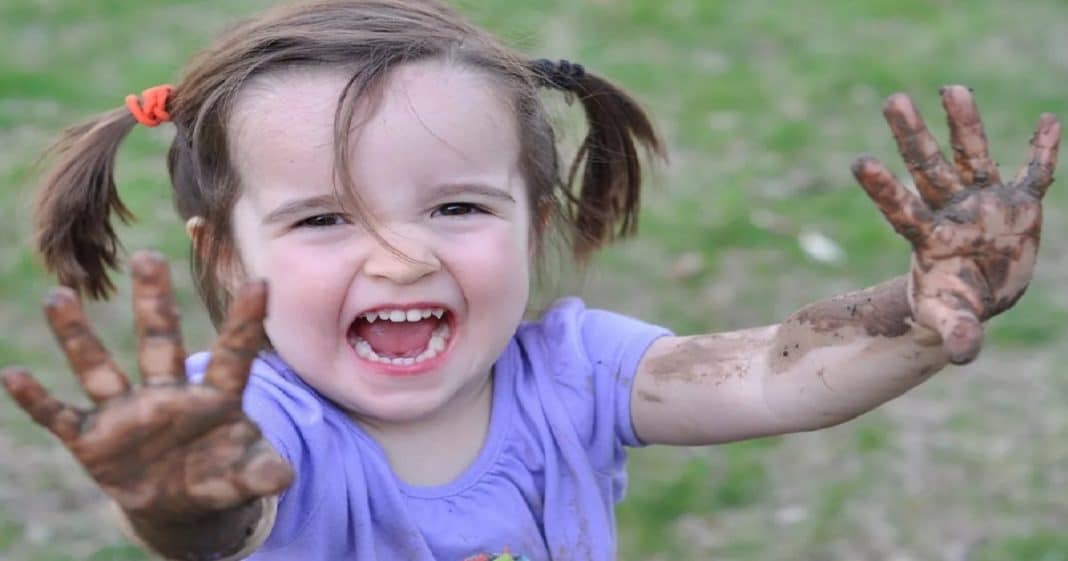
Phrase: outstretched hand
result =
(167, 450)
(974, 238)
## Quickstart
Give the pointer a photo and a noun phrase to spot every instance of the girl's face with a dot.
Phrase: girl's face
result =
(392, 335)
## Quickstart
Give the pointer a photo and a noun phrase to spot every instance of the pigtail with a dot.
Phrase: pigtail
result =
(77, 201)
(607, 159)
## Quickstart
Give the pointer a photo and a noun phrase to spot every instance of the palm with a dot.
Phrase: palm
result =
(190, 437)
(992, 234)
(168, 448)
(974, 238)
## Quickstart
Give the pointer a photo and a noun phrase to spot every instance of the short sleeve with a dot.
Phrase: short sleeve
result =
(592, 356)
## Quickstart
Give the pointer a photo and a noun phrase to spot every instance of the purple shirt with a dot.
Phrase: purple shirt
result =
(544, 485)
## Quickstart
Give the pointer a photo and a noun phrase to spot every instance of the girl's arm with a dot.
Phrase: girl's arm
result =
(825, 364)
(974, 243)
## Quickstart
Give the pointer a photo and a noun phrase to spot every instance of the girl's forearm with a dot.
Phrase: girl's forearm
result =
(838, 358)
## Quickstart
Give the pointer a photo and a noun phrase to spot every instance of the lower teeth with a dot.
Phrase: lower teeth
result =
(436, 344)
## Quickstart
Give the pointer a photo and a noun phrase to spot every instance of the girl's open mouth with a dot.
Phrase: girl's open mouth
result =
(401, 337)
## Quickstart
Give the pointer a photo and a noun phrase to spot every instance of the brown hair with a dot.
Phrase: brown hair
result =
(78, 199)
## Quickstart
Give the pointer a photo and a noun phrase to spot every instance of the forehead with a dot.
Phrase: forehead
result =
(433, 118)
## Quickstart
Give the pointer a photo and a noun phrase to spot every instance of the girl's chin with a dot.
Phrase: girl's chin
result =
(396, 411)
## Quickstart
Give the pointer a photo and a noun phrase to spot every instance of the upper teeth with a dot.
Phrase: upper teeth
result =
(404, 315)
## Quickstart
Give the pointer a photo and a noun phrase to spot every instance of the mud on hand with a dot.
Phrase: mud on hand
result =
(167, 449)
(974, 238)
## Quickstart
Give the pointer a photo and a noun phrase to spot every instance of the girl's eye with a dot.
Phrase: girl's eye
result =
(457, 209)
(321, 221)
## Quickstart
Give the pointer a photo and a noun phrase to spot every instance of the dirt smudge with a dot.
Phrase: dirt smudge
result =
(879, 311)
(712, 359)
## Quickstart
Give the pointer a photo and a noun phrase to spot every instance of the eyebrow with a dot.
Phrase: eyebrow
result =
(452, 189)
(296, 207)
(300, 206)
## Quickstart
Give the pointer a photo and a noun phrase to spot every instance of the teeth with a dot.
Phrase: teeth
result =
(404, 315)
(438, 339)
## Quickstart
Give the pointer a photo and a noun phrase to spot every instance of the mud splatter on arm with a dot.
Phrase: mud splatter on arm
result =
(838, 358)
(823, 365)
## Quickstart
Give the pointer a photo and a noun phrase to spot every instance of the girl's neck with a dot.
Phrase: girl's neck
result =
(436, 450)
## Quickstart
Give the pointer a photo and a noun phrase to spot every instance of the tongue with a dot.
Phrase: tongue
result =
(397, 339)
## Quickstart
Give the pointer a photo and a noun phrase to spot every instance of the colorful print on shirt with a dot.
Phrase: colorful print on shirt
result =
(501, 557)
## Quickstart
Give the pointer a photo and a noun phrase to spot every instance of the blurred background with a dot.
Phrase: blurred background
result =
(764, 106)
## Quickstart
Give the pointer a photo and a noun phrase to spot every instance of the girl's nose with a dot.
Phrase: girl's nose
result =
(400, 258)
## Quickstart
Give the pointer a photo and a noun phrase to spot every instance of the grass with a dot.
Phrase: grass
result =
(1047, 546)
(764, 108)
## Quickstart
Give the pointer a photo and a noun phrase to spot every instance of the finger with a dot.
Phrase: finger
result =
(935, 179)
(962, 338)
(160, 354)
(61, 419)
(98, 374)
(952, 316)
(265, 473)
(239, 340)
(968, 138)
(213, 463)
(1037, 175)
(909, 216)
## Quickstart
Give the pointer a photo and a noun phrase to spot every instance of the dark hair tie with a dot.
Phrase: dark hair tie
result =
(563, 75)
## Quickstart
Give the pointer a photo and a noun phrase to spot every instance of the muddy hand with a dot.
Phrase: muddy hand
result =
(974, 238)
(166, 449)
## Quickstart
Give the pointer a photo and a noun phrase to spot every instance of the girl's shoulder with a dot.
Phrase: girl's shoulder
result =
(578, 363)
(571, 332)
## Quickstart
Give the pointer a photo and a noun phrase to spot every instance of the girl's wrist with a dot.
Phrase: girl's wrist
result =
(227, 535)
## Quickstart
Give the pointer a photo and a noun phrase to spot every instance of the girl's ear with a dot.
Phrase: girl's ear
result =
(194, 228)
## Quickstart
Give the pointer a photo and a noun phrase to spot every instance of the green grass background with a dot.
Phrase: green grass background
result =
(764, 105)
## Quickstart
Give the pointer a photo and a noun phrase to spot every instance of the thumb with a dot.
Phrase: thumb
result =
(961, 332)
(266, 472)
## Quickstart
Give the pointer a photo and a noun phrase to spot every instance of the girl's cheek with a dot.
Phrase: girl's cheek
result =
(290, 259)
(491, 258)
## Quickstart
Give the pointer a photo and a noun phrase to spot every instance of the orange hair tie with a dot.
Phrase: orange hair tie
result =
(152, 108)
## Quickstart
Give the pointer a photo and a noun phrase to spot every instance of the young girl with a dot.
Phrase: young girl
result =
(380, 177)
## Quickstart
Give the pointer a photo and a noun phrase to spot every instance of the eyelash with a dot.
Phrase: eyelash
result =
(339, 219)
(315, 221)
(470, 208)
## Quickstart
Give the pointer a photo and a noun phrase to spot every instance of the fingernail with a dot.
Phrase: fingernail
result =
(147, 254)
(146, 262)
(10, 377)
(59, 295)
(964, 342)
